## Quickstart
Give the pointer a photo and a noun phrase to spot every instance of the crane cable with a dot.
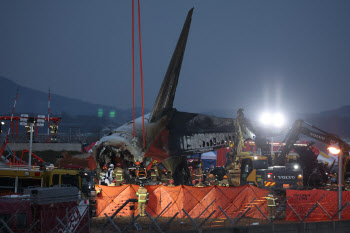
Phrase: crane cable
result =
(143, 115)
(133, 70)
(141, 71)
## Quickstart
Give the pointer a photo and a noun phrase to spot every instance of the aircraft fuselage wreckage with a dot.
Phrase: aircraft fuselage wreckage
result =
(170, 135)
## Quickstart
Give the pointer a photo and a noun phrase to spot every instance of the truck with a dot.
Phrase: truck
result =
(256, 171)
(15, 178)
(54, 209)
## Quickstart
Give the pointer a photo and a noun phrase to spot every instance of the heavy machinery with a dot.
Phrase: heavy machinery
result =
(37, 210)
(15, 178)
(244, 168)
(307, 159)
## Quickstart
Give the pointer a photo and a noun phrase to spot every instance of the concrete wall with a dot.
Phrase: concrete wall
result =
(310, 227)
(46, 146)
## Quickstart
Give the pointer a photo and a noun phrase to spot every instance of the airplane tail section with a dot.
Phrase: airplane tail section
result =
(167, 91)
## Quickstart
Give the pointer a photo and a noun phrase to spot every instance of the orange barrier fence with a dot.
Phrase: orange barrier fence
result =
(193, 200)
(319, 204)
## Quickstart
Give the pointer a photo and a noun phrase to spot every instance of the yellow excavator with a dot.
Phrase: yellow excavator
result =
(245, 168)
(301, 127)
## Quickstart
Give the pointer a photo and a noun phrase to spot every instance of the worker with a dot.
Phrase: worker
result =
(171, 183)
(198, 173)
(224, 182)
(193, 182)
(103, 175)
(119, 174)
(166, 176)
(141, 172)
(142, 195)
(155, 171)
(110, 175)
(200, 183)
(98, 191)
(192, 173)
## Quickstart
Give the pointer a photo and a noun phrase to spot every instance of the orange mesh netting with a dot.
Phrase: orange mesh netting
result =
(303, 201)
(193, 200)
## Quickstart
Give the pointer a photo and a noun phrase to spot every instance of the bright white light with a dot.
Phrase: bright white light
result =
(266, 118)
(333, 150)
(296, 166)
(2, 123)
(278, 120)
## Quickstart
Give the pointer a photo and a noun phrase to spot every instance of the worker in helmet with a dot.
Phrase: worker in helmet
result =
(155, 171)
(198, 173)
(142, 195)
(210, 179)
(103, 175)
(110, 176)
(224, 182)
(171, 183)
(119, 174)
(193, 182)
(141, 172)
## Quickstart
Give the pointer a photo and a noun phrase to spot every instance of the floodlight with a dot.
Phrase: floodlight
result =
(266, 118)
(333, 150)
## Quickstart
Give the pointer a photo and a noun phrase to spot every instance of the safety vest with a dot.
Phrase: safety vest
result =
(155, 169)
(141, 173)
(118, 174)
(142, 195)
(198, 174)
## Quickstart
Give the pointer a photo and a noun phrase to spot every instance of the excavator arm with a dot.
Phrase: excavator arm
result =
(319, 135)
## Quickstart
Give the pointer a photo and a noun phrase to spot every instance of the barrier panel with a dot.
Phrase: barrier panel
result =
(197, 202)
(315, 205)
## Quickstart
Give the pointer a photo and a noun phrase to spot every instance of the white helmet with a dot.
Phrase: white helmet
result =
(111, 166)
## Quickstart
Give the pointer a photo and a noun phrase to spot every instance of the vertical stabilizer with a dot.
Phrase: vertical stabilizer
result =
(167, 91)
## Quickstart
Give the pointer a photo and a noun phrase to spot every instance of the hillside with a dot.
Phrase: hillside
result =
(75, 113)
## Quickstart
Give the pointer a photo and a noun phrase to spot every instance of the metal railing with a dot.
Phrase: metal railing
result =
(60, 138)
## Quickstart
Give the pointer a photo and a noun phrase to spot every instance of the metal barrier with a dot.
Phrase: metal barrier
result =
(215, 216)
(60, 138)
(23, 215)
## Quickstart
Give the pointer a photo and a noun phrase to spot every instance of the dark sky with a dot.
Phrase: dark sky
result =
(279, 55)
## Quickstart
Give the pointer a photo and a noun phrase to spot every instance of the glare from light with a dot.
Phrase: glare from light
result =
(296, 166)
(278, 120)
(2, 123)
(333, 150)
(266, 118)
(255, 157)
(275, 119)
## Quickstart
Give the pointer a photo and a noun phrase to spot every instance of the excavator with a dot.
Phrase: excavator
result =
(313, 172)
(244, 168)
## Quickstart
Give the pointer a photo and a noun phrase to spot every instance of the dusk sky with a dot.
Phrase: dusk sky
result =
(279, 55)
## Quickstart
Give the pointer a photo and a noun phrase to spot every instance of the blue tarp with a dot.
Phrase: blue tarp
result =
(208, 158)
